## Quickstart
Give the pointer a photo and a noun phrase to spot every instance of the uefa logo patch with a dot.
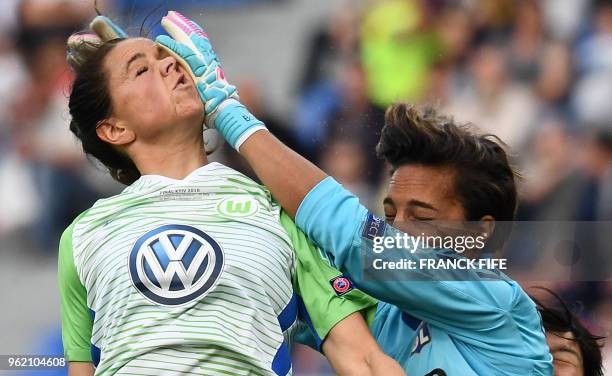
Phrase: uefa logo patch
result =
(175, 264)
(341, 285)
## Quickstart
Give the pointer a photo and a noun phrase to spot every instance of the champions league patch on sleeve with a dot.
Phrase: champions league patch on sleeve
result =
(373, 227)
(341, 285)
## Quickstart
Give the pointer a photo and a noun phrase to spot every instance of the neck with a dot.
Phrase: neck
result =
(174, 161)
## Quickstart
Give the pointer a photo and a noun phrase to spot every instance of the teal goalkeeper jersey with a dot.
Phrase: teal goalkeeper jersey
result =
(481, 323)
(203, 275)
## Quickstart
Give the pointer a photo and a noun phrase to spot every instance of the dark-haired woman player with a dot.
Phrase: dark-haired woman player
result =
(454, 323)
(193, 268)
(575, 350)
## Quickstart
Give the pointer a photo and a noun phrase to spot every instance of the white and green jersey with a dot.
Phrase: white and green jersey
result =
(203, 275)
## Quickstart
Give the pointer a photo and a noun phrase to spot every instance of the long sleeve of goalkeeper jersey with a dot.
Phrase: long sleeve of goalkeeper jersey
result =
(335, 220)
(76, 319)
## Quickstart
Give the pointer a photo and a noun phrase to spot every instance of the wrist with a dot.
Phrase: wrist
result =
(234, 122)
(211, 118)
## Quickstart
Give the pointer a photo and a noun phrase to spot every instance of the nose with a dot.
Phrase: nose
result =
(167, 65)
(399, 217)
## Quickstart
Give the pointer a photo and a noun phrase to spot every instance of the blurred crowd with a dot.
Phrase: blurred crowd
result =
(536, 73)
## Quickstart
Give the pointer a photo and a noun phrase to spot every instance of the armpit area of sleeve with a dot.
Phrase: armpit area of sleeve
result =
(336, 309)
(77, 355)
(340, 308)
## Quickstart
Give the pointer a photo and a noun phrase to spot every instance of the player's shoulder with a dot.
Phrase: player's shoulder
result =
(108, 207)
(498, 294)
(65, 244)
(522, 303)
(512, 295)
(512, 299)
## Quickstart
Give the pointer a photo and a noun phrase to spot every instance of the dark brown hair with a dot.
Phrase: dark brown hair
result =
(89, 104)
(557, 319)
(484, 181)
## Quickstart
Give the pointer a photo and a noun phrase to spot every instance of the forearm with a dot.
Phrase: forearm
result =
(80, 369)
(375, 363)
(351, 350)
(379, 363)
(288, 175)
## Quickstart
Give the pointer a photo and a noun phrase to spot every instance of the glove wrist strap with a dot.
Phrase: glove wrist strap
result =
(235, 122)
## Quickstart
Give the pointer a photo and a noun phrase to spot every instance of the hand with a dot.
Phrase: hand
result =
(106, 29)
(81, 45)
(191, 46)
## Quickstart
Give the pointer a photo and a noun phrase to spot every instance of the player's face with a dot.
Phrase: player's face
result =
(418, 192)
(151, 93)
(567, 358)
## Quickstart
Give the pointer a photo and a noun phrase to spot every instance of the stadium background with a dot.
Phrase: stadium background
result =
(319, 72)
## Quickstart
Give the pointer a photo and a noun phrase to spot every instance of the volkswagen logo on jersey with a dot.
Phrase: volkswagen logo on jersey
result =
(175, 264)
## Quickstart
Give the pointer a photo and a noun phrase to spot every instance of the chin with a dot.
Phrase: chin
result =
(191, 111)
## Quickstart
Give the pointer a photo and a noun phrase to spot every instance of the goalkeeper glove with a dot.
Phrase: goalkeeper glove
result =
(191, 47)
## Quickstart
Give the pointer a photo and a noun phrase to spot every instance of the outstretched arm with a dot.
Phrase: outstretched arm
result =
(332, 217)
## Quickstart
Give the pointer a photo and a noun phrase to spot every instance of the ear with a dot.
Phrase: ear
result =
(113, 132)
(487, 225)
